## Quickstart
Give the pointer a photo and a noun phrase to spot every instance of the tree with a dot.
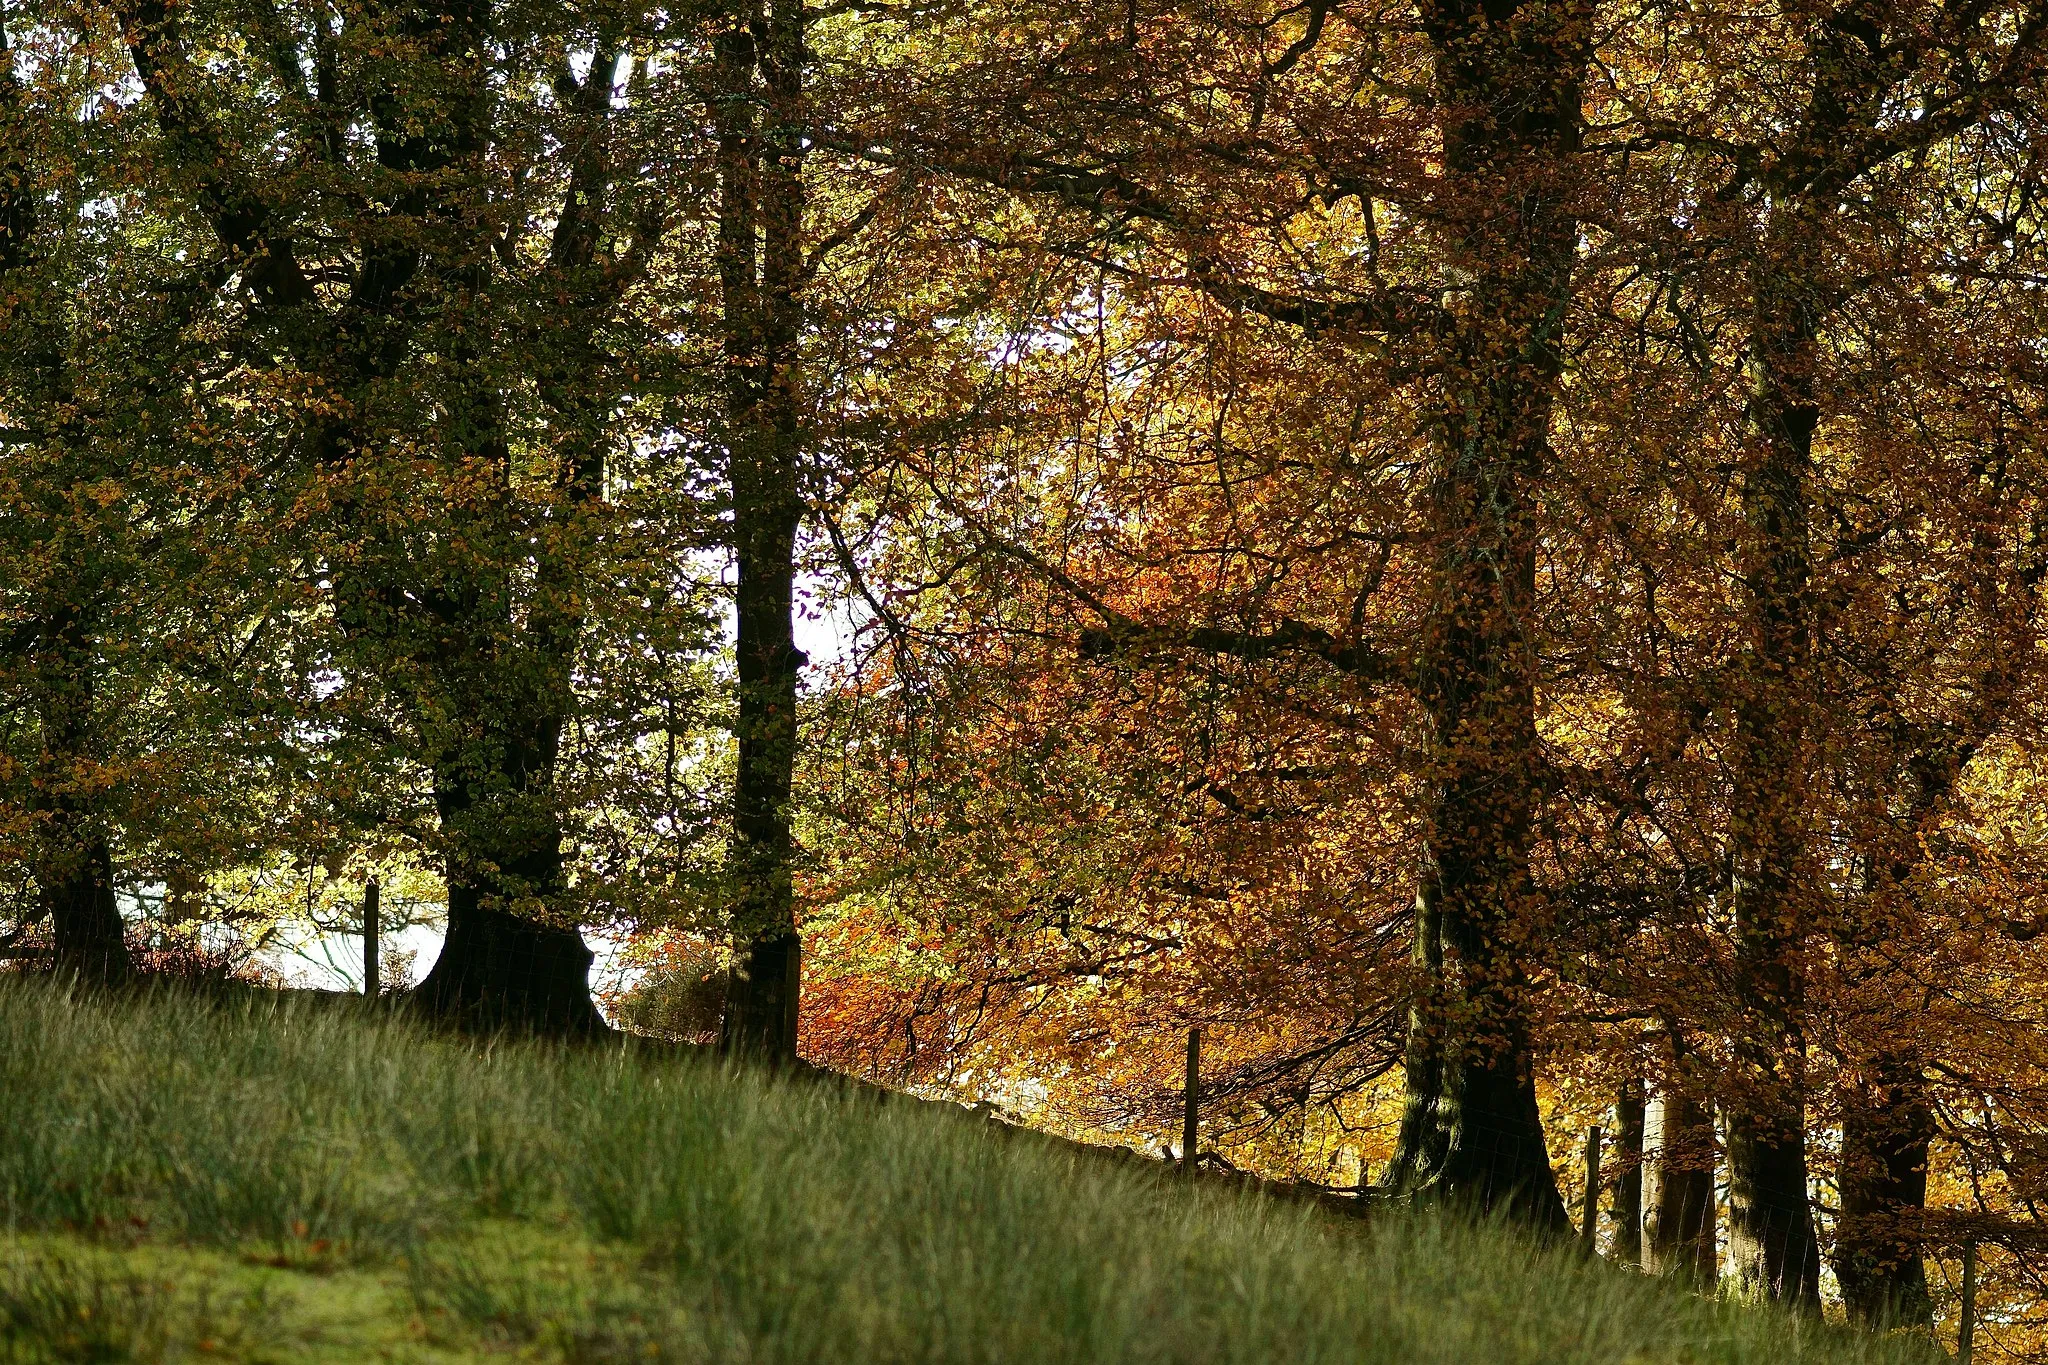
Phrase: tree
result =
(433, 264)
(1502, 109)
(117, 468)
(1790, 188)
(759, 117)
(56, 620)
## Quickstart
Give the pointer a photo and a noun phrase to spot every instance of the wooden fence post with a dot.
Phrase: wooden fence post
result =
(1966, 1330)
(1191, 1099)
(1589, 1206)
(371, 930)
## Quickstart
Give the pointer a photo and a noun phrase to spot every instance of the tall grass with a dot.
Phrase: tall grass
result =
(728, 1216)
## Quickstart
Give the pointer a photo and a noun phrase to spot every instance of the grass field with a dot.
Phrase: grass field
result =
(261, 1180)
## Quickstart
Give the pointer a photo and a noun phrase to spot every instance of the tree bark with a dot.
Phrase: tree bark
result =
(1678, 1188)
(74, 858)
(1629, 1117)
(1887, 1130)
(1508, 77)
(503, 964)
(1772, 1247)
(760, 263)
(78, 893)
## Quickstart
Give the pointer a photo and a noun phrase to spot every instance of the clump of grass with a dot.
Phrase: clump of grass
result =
(89, 1309)
(722, 1215)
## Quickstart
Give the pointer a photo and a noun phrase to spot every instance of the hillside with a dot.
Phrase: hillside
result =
(264, 1181)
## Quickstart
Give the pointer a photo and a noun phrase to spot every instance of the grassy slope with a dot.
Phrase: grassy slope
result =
(264, 1181)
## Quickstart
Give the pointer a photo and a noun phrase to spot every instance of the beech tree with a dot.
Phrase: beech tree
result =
(1502, 109)
(117, 767)
(432, 268)
(1747, 241)
(1794, 195)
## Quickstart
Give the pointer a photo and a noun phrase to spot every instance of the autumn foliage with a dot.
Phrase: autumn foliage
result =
(1489, 556)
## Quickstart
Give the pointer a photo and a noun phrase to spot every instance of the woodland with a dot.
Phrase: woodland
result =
(1486, 554)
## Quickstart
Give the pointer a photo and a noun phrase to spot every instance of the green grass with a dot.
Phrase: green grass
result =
(263, 1180)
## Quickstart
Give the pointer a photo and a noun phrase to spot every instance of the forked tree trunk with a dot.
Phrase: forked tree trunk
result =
(1508, 78)
(1793, 290)
(513, 957)
(442, 631)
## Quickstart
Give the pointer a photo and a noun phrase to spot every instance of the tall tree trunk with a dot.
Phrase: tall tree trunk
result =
(760, 264)
(511, 957)
(1508, 76)
(1772, 1247)
(1629, 1117)
(1678, 1188)
(1855, 66)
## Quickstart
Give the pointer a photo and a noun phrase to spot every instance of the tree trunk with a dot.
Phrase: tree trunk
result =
(760, 263)
(74, 859)
(500, 966)
(1471, 1131)
(1772, 1247)
(499, 969)
(78, 894)
(1628, 1184)
(1771, 1241)
(1678, 1189)
(1887, 1129)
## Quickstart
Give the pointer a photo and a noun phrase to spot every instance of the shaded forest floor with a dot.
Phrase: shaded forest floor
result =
(262, 1180)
